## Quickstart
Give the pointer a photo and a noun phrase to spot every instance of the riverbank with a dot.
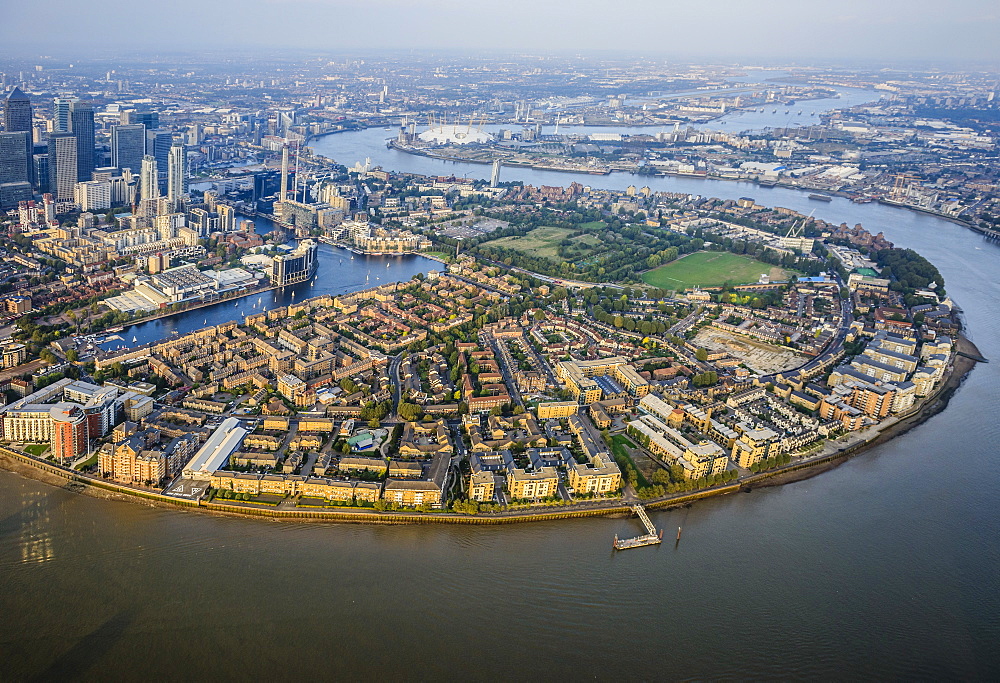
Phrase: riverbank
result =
(507, 163)
(62, 477)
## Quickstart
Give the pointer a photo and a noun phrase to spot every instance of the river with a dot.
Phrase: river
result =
(338, 271)
(885, 567)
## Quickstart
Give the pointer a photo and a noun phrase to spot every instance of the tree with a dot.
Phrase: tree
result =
(701, 354)
(72, 356)
(410, 411)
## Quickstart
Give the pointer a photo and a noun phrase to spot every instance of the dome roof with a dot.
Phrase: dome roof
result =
(455, 134)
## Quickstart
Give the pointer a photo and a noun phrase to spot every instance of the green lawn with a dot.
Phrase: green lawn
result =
(36, 449)
(443, 255)
(543, 241)
(92, 460)
(710, 269)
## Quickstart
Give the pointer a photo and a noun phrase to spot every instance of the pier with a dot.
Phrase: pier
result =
(650, 538)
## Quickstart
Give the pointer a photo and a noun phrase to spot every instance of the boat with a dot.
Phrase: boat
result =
(821, 197)
(114, 329)
(862, 200)
(206, 321)
(134, 340)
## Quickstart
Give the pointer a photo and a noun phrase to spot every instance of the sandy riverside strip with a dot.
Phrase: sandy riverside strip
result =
(49, 473)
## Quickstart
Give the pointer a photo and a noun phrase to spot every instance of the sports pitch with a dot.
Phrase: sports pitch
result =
(711, 269)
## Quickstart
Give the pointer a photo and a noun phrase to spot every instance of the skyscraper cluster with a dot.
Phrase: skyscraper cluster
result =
(15, 150)
(138, 144)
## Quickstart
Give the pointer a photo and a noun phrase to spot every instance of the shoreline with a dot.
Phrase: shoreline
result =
(700, 176)
(73, 481)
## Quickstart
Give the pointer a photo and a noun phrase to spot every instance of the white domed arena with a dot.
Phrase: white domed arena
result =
(455, 134)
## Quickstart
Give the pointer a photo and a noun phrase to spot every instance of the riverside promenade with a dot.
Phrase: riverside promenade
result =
(801, 467)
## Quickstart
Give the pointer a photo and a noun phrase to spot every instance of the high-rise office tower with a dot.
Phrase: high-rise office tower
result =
(158, 143)
(40, 172)
(61, 107)
(177, 183)
(15, 181)
(16, 112)
(150, 119)
(62, 166)
(14, 164)
(495, 175)
(81, 124)
(17, 119)
(128, 145)
(149, 186)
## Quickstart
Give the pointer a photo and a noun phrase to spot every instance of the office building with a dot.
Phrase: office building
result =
(11, 194)
(14, 166)
(62, 166)
(17, 112)
(17, 119)
(128, 145)
(158, 143)
(177, 182)
(61, 108)
(40, 172)
(81, 122)
(149, 188)
(149, 119)
(296, 266)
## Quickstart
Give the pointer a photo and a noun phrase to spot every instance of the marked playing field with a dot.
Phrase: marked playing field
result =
(711, 269)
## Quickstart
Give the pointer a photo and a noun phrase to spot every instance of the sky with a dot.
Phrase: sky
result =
(806, 31)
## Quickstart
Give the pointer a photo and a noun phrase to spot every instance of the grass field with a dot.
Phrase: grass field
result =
(543, 241)
(710, 269)
(443, 255)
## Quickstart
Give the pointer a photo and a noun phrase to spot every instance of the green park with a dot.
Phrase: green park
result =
(711, 269)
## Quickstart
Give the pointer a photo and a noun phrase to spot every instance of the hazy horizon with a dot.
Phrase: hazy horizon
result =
(779, 30)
